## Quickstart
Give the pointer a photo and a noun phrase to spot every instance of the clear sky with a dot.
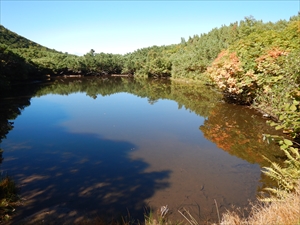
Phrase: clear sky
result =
(124, 26)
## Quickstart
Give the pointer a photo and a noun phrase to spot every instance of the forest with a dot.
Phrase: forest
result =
(250, 62)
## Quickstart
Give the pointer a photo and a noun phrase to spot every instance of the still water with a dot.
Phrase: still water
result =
(120, 146)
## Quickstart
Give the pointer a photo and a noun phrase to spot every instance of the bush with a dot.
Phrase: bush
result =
(227, 73)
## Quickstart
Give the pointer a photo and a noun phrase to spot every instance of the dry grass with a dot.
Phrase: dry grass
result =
(285, 212)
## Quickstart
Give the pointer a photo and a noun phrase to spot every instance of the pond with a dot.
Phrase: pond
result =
(120, 146)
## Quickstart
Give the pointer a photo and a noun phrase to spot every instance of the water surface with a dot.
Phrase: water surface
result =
(118, 146)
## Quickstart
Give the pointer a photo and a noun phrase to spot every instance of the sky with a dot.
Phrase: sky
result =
(121, 27)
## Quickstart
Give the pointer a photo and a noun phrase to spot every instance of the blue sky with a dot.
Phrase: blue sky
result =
(124, 26)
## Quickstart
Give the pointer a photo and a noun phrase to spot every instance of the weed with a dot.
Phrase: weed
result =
(8, 197)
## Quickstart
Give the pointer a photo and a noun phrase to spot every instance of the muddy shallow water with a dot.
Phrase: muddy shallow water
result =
(119, 147)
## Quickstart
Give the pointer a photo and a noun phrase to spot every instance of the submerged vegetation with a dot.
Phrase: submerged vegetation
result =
(251, 62)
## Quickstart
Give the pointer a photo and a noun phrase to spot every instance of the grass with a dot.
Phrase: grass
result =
(160, 219)
(8, 197)
(286, 212)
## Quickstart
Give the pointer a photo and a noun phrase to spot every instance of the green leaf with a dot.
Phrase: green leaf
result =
(273, 124)
(288, 142)
(279, 127)
(286, 107)
(293, 107)
(283, 147)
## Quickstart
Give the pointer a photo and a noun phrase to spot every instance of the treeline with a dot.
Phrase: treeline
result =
(22, 59)
(189, 59)
(198, 100)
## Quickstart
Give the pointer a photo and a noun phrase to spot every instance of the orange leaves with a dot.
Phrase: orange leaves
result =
(273, 53)
(270, 64)
(225, 71)
(220, 56)
(234, 59)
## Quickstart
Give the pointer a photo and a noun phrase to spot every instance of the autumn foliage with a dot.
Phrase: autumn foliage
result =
(227, 73)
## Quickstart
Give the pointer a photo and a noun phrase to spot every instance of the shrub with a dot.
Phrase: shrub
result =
(226, 71)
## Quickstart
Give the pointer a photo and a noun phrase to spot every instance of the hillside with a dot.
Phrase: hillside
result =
(17, 56)
(15, 41)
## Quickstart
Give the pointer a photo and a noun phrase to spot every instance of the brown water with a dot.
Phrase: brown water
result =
(113, 146)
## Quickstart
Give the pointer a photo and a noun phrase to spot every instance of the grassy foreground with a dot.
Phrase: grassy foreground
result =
(286, 212)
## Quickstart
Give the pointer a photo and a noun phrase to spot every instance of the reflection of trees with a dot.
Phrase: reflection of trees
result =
(240, 134)
(200, 99)
(197, 98)
(10, 109)
(12, 103)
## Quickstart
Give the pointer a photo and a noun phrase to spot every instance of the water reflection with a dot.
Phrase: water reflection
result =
(13, 102)
(108, 145)
(198, 99)
(9, 110)
(240, 134)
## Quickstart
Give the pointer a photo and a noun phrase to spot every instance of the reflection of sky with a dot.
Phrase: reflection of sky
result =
(35, 120)
(123, 116)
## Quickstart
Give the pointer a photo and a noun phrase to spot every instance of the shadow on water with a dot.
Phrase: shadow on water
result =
(92, 175)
